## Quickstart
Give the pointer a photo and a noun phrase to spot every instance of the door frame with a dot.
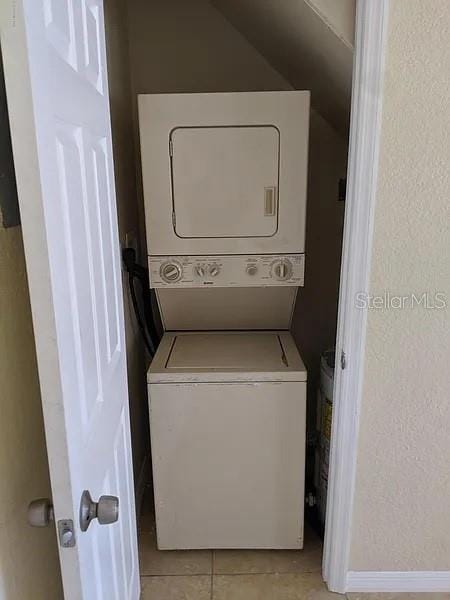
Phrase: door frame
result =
(365, 133)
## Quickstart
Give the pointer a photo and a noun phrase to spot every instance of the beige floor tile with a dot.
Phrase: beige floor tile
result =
(171, 562)
(287, 586)
(308, 560)
(399, 596)
(190, 587)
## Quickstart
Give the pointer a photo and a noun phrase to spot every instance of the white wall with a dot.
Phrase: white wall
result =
(402, 504)
(29, 566)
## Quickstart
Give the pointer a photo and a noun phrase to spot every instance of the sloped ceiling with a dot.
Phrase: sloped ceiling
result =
(310, 43)
(339, 15)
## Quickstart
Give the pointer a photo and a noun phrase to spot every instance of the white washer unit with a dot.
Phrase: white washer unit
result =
(225, 200)
(227, 420)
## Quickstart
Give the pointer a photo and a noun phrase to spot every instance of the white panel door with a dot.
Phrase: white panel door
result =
(55, 68)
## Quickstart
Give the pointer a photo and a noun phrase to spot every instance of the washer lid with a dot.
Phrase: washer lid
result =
(231, 356)
(241, 351)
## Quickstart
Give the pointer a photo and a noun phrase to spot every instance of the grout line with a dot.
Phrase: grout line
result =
(143, 575)
(177, 575)
(240, 573)
(310, 571)
(212, 574)
(235, 574)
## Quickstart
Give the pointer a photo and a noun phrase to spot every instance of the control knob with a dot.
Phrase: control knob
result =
(200, 271)
(171, 272)
(214, 270)
(251, 270)
(282, 269)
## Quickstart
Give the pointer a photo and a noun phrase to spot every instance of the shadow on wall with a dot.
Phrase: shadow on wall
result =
(127, 208)
(315, 314)
(29, 566)
(9, 206)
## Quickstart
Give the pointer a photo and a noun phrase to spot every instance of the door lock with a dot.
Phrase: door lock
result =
(106, 510)
(40, 514)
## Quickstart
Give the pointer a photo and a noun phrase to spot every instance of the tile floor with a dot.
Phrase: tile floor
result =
(238, 574)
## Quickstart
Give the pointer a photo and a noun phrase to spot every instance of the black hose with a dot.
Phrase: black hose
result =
(146, 324)
(147, 306)
(147, 341)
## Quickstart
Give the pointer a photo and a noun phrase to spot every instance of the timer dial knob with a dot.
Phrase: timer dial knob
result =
(282, 269)
(171, 272)
(214, 270)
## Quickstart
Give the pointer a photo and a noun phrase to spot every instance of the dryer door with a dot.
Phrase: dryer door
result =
(225, 181)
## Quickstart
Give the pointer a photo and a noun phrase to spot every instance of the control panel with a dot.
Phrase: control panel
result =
(227, 271)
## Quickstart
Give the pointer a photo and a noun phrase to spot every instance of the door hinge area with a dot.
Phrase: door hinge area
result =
(170, 148)
(343, 360)
(310, 500)
(174, 220)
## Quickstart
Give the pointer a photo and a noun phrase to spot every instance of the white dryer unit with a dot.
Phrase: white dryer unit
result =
(224, 178)
(227, 419)
(225, 173)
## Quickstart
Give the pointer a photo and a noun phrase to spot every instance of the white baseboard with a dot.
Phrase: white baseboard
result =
(398, 581)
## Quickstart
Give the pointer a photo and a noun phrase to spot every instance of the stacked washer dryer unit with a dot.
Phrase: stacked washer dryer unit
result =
(225, 199)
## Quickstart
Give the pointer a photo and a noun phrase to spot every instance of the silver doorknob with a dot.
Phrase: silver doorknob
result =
(40, 512)
(106, 510)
